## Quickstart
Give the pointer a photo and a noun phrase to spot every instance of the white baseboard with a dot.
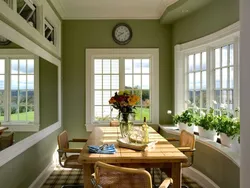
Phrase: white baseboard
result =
(39, 181)
(199, 178)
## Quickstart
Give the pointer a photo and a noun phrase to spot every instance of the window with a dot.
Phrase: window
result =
(109, 71)
(19, 90)
(27, 10)
(49, 31)
(207, 70)
(197, 79)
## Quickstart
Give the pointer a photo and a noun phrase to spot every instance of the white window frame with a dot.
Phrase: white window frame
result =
(91, 54)
(228, 35)
(15, 125)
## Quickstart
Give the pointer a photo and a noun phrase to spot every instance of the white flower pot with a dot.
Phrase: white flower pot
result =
(183, 126)
(210, 134)
(235, 145)
(225, 140)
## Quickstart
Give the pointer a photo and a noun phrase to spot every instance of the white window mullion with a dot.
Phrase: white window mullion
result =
(121, 74)
(236, 96)
(210, 75)
(7, 90)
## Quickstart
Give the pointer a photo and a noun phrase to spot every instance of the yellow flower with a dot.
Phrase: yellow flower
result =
(133, 99)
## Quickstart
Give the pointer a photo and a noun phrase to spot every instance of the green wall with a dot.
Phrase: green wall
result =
(213, 17)
(21, 171)
(80, 35)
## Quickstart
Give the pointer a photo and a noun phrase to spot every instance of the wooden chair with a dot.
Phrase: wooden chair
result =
(187, 146)
(68, 156)
(110, 176)
(6, 140)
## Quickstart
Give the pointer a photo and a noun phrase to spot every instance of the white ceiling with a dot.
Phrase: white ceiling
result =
(111, 9)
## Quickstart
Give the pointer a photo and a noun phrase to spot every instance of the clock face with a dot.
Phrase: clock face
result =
(122, 34)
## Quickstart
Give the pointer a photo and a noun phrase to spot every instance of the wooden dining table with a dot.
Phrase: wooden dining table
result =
(162, 155)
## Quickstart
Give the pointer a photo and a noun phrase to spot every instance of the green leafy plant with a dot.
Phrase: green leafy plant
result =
(188, 117)
(228, 124)
(207, 121)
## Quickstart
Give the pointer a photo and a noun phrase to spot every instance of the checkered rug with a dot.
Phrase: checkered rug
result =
(62, 176)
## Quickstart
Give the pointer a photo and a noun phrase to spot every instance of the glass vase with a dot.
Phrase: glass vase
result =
(126, 123)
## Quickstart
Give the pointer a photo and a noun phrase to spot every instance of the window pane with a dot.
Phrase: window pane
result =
(231, 61)
(137, 81)
(106, 113)
(106, 66)
(204, 80)
(197, 80)
(146, 98)
(30, 113)
(128, 66)
(30, 84)
(191, 96)
(223, 97)
(145, 65)
(191, 63)
(217, 98)
(14, 82)
(98, 82)
(197, 98)
(114, 113)
(145, 81)
(22, 66)
(224, 55)
(22, 82)
(191, 80)
(137, 66)
(14, 66)
(230, 100)
(231, 81)
(106, 97)
(1, 113)
(224, 78)
(2, 66)
(98, 97)
(115, 82)
(217, 57)
(14, 98)
(31, 98)
(204, 60)
(22, 113)
(128, 82)
(106, 82)
(2, 82)
(98, 66)
(204, 99)
(115, 66)
(30, 63)
(22, 98)
(217, 78)
(197, 62)
(98, 112)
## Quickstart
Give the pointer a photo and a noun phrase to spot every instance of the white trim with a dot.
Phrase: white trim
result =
(40, 180)
(199, 178)
(16, 37)
(22, 25)
(59, 8)
(116, 53)
(11, 152)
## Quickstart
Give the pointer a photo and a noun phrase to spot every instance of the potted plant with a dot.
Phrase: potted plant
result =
(187, 119)
(228, 127)
(207, 123)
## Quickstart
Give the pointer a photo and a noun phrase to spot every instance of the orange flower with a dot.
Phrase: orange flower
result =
(112, 100)
(133, 99)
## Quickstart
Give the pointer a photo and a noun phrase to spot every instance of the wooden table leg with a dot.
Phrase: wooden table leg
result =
(176, 175)
(87, 172)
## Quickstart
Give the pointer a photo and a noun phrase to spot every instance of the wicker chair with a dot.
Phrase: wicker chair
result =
(68, 156)
(187, 146)
(110, 176)
(6, 140)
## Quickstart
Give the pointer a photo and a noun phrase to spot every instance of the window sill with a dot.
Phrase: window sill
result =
(21, 127)
(234, 156)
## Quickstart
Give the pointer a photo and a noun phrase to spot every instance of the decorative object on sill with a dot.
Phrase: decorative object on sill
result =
(114, 123)
(125, 103)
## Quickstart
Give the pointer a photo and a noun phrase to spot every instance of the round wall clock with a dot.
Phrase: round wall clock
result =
(4, 41)
(122, 33)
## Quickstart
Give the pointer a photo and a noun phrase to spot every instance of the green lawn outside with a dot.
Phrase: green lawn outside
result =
(144, 112)
(22, 116)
